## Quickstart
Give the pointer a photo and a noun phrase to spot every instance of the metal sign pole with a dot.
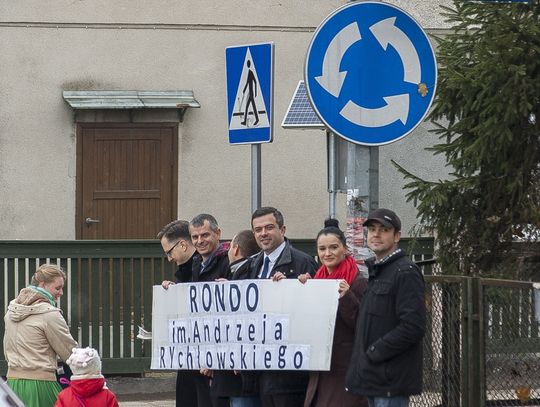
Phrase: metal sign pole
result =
(373, 176)
(255, 177)
(331, 174)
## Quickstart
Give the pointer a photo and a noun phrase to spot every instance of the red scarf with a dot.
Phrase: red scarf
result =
(346, 270)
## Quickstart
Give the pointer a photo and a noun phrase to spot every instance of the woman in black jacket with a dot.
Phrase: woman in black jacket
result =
(327, 389)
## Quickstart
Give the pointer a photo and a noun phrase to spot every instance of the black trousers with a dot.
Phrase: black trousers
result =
(186, 392)
(202, 385)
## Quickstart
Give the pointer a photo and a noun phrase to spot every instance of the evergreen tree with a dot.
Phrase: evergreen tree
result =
(485, 111)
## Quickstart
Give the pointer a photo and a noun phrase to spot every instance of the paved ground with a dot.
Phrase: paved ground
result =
(149, 403)
(156, 389)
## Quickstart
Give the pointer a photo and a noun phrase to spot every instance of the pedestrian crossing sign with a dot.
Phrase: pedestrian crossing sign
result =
(250, 71)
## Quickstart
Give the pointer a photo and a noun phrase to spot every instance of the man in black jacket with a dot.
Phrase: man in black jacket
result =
(278, 260)
(386, 364)
(240, 387)
(211, 263)
(243, 247)
(176, 243)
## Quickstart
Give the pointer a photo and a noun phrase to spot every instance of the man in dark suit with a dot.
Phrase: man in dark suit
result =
(278, 260)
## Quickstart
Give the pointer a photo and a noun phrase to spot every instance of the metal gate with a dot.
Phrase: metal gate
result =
(482, 345)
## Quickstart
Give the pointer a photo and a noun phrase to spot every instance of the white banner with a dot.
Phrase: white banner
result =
(244, 325)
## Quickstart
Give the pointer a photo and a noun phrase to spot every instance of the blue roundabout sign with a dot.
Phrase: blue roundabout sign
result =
(370, 73)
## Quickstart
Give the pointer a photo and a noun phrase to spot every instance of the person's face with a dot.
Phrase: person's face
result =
(205, 239)
(55, 287)
(267, 232)
(381, 239)
(176, 250)
(331, 251)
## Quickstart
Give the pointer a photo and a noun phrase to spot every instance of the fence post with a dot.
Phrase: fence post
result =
(450, 352)
(473, 380)
(481, 342)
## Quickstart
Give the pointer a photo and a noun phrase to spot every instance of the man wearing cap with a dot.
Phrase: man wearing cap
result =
(386, 364)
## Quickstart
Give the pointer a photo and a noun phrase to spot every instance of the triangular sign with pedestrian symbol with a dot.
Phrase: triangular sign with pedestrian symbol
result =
(249, 108)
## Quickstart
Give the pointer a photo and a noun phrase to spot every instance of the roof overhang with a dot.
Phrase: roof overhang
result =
(131, 99)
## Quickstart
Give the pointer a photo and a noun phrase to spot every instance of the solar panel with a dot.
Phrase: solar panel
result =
(300, 114)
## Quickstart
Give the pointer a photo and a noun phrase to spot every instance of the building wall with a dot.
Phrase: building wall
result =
(46, 48)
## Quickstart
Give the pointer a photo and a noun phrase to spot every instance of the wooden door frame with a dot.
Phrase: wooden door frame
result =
(79, 166)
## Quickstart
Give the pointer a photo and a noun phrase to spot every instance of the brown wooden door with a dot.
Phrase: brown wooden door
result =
(126, 180)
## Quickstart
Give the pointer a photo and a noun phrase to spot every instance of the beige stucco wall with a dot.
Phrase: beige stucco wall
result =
(165, 45)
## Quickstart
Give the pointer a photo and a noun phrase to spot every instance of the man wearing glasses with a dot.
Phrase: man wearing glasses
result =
(176, 242)
(278, 260)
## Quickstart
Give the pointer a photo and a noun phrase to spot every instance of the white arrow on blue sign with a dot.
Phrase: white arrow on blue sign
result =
(370, 73)
(250, 71)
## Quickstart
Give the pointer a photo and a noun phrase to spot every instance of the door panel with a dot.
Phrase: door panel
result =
(126, 181)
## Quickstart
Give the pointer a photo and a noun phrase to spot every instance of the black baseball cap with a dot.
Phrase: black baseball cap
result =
(385, 217)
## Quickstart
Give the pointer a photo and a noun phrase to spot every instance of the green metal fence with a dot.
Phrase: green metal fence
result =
(108, 290)
(107, 294)
(482, 345)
